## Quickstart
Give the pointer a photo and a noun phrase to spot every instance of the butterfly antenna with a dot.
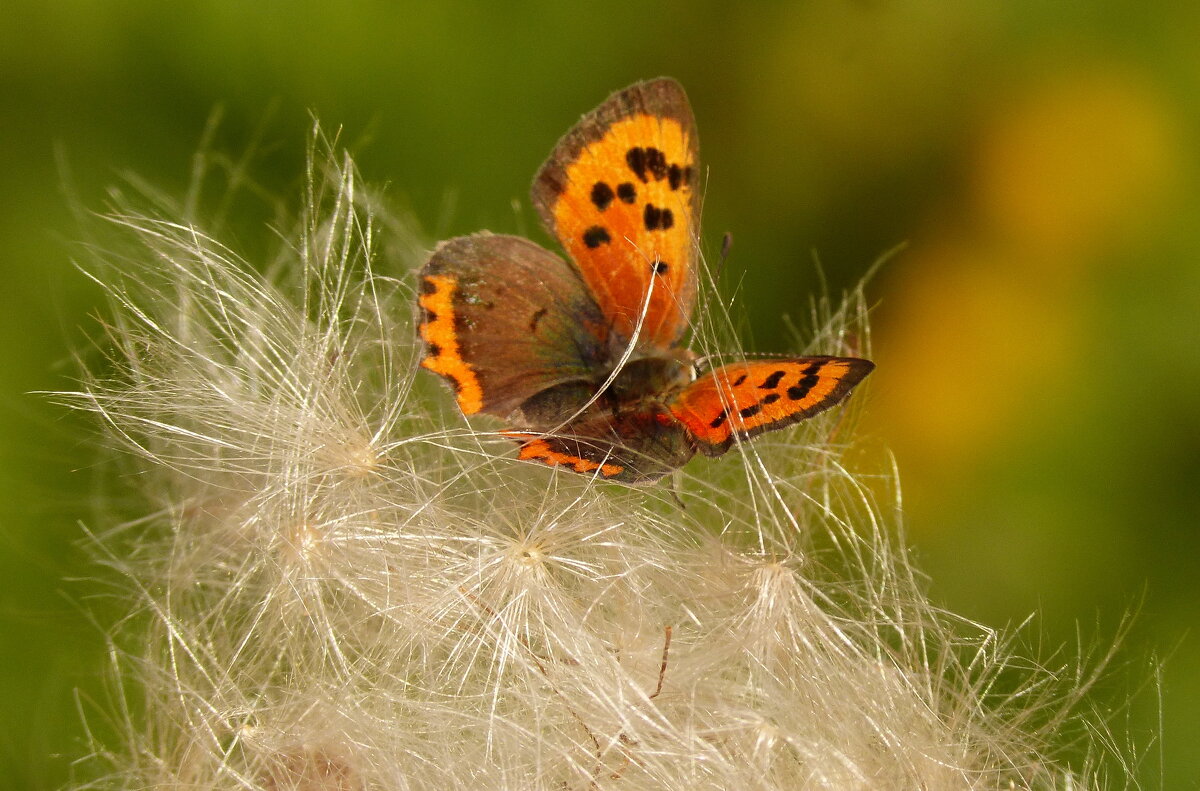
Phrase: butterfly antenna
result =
(726, 247)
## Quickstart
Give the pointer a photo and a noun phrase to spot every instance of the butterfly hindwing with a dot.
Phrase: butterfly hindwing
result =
(741, 400)
(638, 446)
(621, 193)
(504, 319)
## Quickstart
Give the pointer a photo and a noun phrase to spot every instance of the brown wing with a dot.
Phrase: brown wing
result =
(504, 319)
(620, 191)
(631, 447)
(745, 399)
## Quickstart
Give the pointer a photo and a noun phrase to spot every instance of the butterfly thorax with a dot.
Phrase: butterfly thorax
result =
(652, 376)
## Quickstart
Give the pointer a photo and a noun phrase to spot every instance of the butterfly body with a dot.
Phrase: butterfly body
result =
(583, 359)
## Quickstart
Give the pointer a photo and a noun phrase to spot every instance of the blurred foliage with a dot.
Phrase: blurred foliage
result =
(1039, 360)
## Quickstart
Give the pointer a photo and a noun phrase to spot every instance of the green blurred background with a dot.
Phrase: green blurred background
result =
(1037, 341)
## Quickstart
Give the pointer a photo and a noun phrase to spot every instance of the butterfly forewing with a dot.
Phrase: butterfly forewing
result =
(744, 399)
(504, 319)
(621, 193)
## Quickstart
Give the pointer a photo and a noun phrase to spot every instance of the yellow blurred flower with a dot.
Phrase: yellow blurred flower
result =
(1076, 162)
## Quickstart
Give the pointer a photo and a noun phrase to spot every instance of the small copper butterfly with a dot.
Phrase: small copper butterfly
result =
(582, 358)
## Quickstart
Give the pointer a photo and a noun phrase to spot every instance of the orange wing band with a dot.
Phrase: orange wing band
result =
(537, 449)
(443, 355)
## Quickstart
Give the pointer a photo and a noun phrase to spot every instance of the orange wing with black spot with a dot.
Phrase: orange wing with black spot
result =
(744, 399)
(637, 446)
(504, 319)
(621, 192)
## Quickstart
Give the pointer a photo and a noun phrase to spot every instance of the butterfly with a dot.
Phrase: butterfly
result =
(583, 357)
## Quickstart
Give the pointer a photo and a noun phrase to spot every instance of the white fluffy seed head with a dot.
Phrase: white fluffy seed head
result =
(341, 586)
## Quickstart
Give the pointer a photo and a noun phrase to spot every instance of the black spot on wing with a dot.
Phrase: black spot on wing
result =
(808, 380)
(720, 419)
(636, 159)
(656, 163)
(772, 381)
(536, 319)
(657, 219)
(675, 177)
(595, 236)
(647, 163)
(602, 195)
(797, 392)
(751, 410)
(660, 267)
(626, 192)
